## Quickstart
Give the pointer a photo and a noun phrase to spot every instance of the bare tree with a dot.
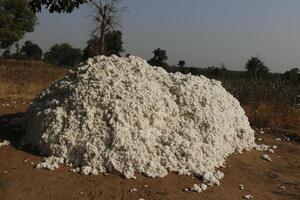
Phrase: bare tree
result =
(106, 17)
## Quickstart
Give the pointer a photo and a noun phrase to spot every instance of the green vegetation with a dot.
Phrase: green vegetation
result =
(256, 68)
(15, 20)
(113, 45)
(63, 54)
(56, 5)
(181, 63)
(160, 58)
(31, 51)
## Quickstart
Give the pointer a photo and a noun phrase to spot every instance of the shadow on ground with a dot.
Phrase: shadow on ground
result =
(11, 129)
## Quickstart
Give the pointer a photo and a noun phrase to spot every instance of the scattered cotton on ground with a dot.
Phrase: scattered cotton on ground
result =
(4, 143)
(120, 114)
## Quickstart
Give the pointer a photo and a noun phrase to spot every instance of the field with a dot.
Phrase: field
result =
(21, 81)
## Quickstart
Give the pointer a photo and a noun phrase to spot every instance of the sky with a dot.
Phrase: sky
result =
(201, 32)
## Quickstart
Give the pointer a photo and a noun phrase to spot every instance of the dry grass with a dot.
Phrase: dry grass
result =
(26, 78)
(273, 115)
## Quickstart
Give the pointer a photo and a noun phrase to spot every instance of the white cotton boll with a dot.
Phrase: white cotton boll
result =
(4, 143)
(242, 187)
(133, 190)
(266, 157)
(196, 188)
(248, 196)
(261, 147)
(86, 170)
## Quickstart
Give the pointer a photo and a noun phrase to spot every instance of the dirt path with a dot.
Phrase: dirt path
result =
(262, 179)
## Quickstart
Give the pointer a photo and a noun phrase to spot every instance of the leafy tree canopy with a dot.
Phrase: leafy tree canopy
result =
(113, 45)
(181, 63)
(292, 76)
(31, 50)
(256, 67)
(63, 54)
(15, 20)
(56, 5)
(160, 58)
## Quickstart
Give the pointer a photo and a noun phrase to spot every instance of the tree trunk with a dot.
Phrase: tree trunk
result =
(102, 42)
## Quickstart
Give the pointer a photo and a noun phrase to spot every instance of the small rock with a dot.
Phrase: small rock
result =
(81, 193)
(259, 139)
(278, 139)
(5, 172)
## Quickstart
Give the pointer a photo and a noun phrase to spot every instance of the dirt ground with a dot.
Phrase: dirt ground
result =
(263, 179)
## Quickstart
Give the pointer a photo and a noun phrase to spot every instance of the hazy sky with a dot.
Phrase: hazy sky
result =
(202, 32)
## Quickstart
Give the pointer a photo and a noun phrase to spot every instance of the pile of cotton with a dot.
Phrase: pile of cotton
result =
(121, 114)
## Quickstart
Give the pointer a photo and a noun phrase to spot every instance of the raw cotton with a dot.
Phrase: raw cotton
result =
(4, 143)
(121, 114)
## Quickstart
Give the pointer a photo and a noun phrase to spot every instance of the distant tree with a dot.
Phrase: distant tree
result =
(15, 20)
(63, 54)
(18, 55)
(181, 63)
(56, 5)
(160, 58)
(89, 51)
(256, 68)
(105, 19)
(31, 50)
(292, 76)
(113, 45)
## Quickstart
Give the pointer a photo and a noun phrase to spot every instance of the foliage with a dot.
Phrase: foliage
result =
(113, 45)
(15, 20)
(105, 19)
(181, 63)
(160, 58)
(18, 55)
(292, 76)
(56, 5)
(256, 67)
(31, 50)
(63, 54)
